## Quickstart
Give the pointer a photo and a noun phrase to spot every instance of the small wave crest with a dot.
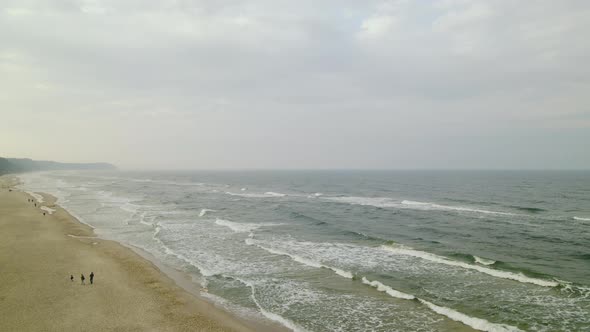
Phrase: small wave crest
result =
(268, 194)
(239, 227)
(489, 271)
(433, 206)
(581, 219)
(476, 323)
(383, 288)
(270, 315)
(483, 261)
(302, 260)
(386, 202)
(204, 212)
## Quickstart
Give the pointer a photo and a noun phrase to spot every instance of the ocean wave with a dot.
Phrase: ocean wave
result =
(204, 211)
(241, 227)
(433, 206)
(268, 194)
(386, 202)
(383, 288)
(476, 323)
(302, 260)
(489, 271)
(270, 315)
(483, 261)
(581, 219)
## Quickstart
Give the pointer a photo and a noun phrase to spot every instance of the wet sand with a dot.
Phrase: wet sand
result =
(38, 253)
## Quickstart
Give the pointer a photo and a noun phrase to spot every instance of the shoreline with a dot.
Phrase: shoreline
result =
(173, 301)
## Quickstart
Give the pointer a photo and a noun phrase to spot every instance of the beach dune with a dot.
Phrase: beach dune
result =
(38, 253)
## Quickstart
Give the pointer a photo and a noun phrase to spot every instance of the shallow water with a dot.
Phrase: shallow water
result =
(355, 250)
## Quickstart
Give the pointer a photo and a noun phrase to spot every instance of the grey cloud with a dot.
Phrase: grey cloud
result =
(314, 84)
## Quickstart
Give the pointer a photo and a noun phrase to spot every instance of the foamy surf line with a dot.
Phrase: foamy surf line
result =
(386, 202)
(484, 261)
(268, 194)
(302, 260)
(204, 212)
(581, 219)
(433, 206)
(488, 271)
(239, 227)
(476, 323)
(270, 315)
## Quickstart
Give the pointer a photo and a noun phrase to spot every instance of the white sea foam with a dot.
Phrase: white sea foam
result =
(244, 189)
(492, 272)
(302, 260)
(36, 196)
(48, 209)
(484, 261)
(204, 211)
(270, 315)
(433, 206)
(128, 207)
(383, 288)
(268, 194)
(240, 227)
(273, 194)
(581, 219)
(386, 202)
(476, 323)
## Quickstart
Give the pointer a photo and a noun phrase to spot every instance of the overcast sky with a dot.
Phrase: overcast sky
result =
(297, 84)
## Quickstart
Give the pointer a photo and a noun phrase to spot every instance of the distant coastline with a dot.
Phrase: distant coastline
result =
(22, 165)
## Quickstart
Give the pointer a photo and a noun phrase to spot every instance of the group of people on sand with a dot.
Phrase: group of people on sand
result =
(83, 278)
(30, 200)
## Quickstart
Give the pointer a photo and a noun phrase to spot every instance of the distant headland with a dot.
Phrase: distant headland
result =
(21, 165)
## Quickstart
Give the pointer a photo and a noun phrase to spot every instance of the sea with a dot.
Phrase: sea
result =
(357, 250)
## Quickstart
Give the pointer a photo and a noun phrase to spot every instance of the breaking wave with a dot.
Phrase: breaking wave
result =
(385, 202)
(302, 260)
(476, 323)
(484, 261)
(492, 272)
(204, 211)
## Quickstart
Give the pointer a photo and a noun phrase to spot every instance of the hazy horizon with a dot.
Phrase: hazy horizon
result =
(313, 85)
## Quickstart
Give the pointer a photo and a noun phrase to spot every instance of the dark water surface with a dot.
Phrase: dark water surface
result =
(359, 250)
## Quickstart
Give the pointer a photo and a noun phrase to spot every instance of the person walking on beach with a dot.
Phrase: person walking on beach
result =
(72, 277)
(91, 278)
(82, 278)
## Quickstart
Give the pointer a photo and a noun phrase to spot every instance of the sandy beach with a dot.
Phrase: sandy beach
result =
(38, 253)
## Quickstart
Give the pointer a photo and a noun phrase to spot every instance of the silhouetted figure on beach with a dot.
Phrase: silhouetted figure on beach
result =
(35, 204)
(91, 278)
(43, 213)
(71, 277)
(82, 278)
